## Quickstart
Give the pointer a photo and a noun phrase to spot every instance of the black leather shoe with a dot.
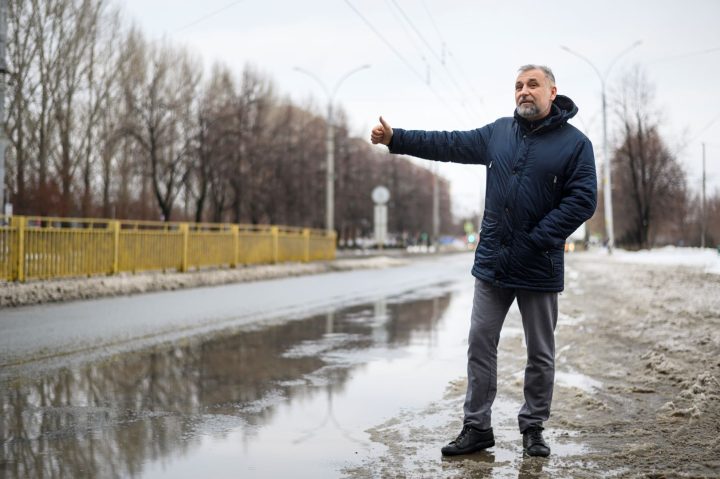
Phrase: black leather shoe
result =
(469, 440)
(533, 442)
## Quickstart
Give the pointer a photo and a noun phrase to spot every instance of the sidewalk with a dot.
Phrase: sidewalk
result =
(39, 292)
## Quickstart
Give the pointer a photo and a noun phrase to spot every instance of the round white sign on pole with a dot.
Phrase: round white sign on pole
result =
(380, 195)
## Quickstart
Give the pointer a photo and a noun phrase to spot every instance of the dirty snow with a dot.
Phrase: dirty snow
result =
(38, 292)
(637, 381)
(706, 259)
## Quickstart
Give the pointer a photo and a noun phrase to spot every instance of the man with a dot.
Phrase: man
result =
(541, 187)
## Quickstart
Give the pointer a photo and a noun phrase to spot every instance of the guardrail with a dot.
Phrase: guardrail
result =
(36, 247)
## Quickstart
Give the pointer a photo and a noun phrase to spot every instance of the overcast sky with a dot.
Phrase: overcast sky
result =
(482, 43)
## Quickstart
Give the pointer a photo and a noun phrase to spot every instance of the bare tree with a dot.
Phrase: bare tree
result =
(99, 115)
(214, 129)
(73, 26)
(251, 109)
(22, 56)
(162, 120)
(102, 121)
(648, 181)
(713, 219)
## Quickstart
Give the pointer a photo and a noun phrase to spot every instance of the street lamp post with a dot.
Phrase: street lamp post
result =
(330, 142)
(607, 181)
(3, 71)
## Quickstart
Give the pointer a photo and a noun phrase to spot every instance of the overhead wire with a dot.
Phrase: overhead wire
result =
(439, 58)
(420, 51)
(432, 22)
(446, 51)
(685, 55)
(409, 36)
(385, 41)
(208, 16)
(704, 128)
(399, 55)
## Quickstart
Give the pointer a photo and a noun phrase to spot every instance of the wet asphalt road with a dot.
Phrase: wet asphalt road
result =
(268, 379)
(110, 325)
(271, 379)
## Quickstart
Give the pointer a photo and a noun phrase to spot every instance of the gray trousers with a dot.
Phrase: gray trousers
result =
(539, 313)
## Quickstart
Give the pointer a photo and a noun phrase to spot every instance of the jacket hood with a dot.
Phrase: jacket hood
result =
(561, 110)
(567, 107)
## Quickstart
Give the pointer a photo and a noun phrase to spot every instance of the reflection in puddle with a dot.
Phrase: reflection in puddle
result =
(227, 404)
(296, 399)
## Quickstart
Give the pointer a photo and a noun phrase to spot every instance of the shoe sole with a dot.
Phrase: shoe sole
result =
(475, 448)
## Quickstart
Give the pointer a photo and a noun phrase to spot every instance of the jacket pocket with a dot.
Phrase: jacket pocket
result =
(532, 263)
(488, 239)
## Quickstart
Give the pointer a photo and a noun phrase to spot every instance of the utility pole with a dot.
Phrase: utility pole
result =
(703, 210)
(607, 181)
(330, 143)
(3, 72)
(330, 166)
(436, 206)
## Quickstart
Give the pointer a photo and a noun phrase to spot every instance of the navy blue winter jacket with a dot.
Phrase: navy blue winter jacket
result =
(541, 187)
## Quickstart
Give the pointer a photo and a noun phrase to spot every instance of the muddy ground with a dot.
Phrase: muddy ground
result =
(637, 387)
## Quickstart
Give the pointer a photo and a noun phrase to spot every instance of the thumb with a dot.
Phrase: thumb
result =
(384, 123)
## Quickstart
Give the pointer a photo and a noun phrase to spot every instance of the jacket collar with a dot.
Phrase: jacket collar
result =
(561, 110)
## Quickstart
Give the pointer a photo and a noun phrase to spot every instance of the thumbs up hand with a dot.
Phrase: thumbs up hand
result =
(382, 133)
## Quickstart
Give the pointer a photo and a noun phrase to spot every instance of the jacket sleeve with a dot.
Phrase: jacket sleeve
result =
(579, 199)
(468, 147)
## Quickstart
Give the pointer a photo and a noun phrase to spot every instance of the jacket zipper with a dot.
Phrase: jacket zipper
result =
(552, 263)
(490, 165)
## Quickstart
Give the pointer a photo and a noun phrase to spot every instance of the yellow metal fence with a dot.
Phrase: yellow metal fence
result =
(34, 247)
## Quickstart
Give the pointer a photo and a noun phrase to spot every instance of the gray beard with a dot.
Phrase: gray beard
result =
(528, 111)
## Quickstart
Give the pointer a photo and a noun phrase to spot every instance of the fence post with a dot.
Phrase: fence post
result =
(185, 230)
(235, 230)
(115, 229)
(306, 236)
(276, 243)
(333, 245)
(20, 223)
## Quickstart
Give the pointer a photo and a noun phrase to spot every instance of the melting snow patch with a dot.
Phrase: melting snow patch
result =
(272, 398)
(577, 380)
(316, 348)
(706, 259)
(567, 320)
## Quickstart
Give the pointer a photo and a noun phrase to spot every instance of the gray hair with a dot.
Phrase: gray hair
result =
(546, 70)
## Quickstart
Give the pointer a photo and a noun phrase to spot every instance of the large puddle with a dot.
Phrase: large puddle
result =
(293, 398)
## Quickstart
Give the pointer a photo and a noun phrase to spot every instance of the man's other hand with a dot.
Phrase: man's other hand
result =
(382, 133)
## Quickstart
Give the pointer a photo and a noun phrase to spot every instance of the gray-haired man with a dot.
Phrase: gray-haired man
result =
(541, 186)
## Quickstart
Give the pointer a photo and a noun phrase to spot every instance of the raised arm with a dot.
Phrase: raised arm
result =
(468, 147)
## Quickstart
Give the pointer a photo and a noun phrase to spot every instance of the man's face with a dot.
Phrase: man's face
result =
(534, 94)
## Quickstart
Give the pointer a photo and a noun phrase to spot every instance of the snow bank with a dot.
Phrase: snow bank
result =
(706, 259)
(36, 292)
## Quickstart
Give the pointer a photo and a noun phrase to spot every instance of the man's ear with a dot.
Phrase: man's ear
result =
(553, 93)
